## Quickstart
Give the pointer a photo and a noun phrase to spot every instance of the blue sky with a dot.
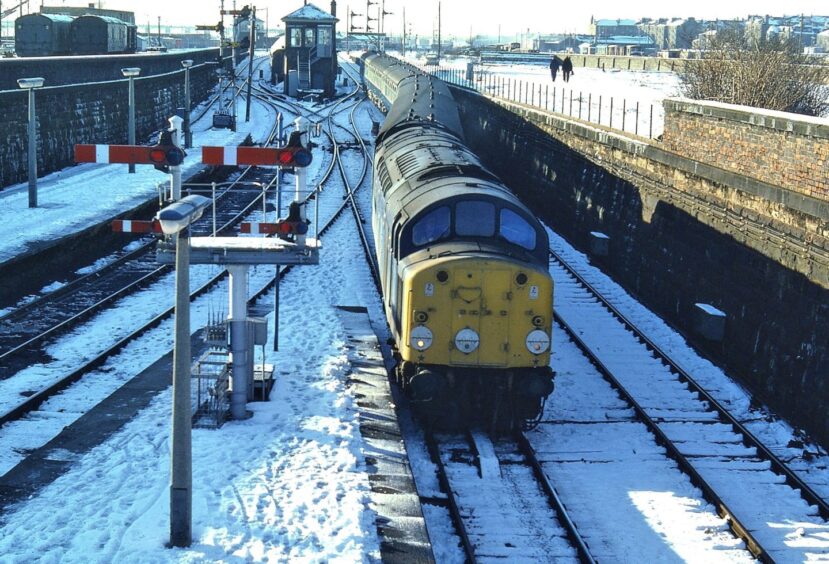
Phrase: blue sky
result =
(482, 16)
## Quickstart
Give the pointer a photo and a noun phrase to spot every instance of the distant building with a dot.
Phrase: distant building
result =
(556, 43)
(673, 33)
(310, 50)
(607, 28)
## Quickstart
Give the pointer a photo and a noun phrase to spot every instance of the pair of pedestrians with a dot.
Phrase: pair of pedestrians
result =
(566, 67)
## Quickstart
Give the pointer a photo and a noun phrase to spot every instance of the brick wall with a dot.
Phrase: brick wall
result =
(682, 231)
(90, 113)
(780, 148)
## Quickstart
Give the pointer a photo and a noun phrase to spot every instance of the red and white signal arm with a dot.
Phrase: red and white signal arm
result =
(262, 156)
(130, 154)
(136, 226)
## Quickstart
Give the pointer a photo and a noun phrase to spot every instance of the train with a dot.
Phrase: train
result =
(47, 35)
(463, 263)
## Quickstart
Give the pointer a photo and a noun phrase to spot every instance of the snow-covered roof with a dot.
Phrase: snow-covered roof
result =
(309, 12)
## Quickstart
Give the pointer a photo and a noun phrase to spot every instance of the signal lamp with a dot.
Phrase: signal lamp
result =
(521, 279)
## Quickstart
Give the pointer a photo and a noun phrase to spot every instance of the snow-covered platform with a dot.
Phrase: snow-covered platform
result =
(394, 497)
(82, 199)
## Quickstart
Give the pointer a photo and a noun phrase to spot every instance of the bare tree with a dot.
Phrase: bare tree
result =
(771, 74)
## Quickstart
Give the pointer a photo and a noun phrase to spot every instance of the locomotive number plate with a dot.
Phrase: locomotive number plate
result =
(430, 289)
(533, 292)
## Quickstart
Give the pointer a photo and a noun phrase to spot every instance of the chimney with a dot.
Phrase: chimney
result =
(334, 8)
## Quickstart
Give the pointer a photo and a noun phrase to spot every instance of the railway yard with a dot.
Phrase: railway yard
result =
(644, 452)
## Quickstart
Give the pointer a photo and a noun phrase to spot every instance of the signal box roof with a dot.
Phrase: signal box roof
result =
(309, 14)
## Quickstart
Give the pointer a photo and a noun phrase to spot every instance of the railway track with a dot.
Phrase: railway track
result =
(39, 397)
(502, 506)
(746, 483)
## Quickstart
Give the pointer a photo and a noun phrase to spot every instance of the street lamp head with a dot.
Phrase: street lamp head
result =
(187, 63)
(131, 72)
(30, 82)
(179, 215)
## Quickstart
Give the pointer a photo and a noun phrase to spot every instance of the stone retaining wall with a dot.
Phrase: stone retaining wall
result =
(58, 71)
(776, 147)
(90, 113)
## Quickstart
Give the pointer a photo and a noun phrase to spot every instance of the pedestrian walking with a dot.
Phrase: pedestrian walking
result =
(567, 68)
(555, 64)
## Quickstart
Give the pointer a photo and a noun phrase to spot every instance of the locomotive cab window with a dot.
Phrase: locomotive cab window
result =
(517, 230)
(432, 226)
(474, 219)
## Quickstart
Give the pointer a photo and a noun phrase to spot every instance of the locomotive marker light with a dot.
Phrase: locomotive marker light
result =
(421, 338)
(467, 340)
(30, 84)
(131, 73)
(538, 341)
(175, 220)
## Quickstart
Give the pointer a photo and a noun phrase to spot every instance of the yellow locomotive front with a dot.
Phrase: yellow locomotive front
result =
(474, 336)
(476, 312)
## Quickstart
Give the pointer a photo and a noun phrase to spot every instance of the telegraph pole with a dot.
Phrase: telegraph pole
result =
(252, 39)
(438, 32)
(404, 32)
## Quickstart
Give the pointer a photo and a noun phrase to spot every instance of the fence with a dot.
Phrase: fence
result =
(621, 114)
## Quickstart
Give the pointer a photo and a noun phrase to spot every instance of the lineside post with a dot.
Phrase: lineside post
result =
(181, 460)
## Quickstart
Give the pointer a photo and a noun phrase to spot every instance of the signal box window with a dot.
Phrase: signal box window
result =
(296, 37)
(309, 37)
(475, 219)
(432, 226)
(516, 230)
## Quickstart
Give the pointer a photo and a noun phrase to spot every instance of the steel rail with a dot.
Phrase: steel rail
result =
(749, 439)
(736, 526)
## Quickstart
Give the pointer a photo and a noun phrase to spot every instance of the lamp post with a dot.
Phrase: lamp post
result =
(30, 84)
(131, 73)
(188, 135)
(175, 220)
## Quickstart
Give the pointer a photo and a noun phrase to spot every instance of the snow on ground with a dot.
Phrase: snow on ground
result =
(287, 484)
(586, 86)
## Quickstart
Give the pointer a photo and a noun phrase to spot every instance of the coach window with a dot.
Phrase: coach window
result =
(431, 227)
(516, 230)
(475, 219)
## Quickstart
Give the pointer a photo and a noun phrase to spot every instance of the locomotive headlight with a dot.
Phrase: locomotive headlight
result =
(467, 340)
(421, 338)
(538, 341)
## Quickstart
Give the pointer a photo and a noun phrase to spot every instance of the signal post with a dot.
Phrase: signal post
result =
(291, 246)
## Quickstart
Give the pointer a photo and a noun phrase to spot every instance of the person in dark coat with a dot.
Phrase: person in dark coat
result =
(555, 64)
(567, 68)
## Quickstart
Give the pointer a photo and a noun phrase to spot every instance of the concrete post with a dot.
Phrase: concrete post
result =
(181, 497)
(175, 171)
(32, 150)
(240, 348)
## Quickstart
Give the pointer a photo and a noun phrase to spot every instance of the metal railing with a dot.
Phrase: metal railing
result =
(618, 113)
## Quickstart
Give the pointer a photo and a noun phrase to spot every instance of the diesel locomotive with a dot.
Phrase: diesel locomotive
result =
(463, 263)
